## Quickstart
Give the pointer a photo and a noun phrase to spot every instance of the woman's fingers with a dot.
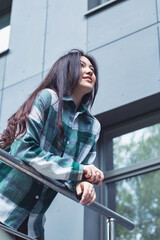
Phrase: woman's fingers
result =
(86, 193)
(79, 189)
(93, 174)
(93, 198)
(88, 199)
(100, 177)
(87, 172)
(89, 195)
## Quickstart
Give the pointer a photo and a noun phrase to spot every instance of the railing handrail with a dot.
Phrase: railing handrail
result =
(15, 233)
(55, 185)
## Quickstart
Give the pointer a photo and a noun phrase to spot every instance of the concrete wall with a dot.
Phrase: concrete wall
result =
(41, 31)
(123, 37)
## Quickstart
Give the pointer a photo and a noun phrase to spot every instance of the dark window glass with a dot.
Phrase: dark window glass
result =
(4, 32)
(95, 3)
(5, 13)
(5, 20)
(103, 1)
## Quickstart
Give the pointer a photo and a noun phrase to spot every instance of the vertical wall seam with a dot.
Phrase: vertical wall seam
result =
(3, 80)
(86, 34)
(156, 4)
(158, 44)
(45, 38)
(158, 34)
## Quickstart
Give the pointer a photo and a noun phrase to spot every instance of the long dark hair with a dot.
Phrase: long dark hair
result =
(63, 78)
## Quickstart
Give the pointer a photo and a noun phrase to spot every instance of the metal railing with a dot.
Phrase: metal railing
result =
(112, 217)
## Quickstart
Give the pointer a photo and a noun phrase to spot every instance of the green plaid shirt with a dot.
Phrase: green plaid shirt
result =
(20, 195)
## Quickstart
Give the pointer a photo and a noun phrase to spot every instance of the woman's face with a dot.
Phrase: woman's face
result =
(88, 78)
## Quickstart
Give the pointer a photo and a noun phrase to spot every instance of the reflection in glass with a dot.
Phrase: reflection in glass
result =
(138, 199)
(136, 146)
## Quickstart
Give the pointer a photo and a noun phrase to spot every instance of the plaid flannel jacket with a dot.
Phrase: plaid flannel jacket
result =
(20, 195)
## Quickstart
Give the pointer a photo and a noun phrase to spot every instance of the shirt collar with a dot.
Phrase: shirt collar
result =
(68, 98)
(82, 108)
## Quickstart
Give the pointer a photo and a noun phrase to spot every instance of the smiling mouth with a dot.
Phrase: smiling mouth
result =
(88, 79)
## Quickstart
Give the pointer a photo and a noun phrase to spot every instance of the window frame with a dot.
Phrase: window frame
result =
(97, 6)
(128, 118)
(132, 171)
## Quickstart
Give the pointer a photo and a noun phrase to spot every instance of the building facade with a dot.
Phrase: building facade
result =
(123, 36)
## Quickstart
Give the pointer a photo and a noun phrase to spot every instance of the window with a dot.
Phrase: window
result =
(95, 3)
(5, 12)
(128, 153)
(131, 186)
(4, 32)
(137, 146)
(138, 198)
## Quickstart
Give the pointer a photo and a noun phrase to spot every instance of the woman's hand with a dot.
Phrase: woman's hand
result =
(87, 191)
(92, 174)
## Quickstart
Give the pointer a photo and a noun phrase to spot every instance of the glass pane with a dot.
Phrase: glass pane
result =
(103, 1)
(136, 146)
(5, 20)
(138, 199)
(4, 39)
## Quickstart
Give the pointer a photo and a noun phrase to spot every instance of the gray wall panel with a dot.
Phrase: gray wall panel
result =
(66, 28)
(129, 70)
(64, 220)
(120, 20)
(158, 9)
(27, 40)
(15, 95)
(2, 70)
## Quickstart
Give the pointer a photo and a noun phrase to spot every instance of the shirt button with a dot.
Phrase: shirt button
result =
(67, 142)
(36, 197)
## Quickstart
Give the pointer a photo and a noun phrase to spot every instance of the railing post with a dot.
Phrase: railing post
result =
(108, 228)
(113, 230)
(111, 233)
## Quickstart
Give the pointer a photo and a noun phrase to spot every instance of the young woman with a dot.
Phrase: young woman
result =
(54, 132)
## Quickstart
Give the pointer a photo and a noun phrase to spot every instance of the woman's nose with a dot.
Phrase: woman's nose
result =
(89, 71)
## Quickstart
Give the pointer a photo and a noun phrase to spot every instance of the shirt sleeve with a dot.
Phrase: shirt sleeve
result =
(89, 159)
(27, 148)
